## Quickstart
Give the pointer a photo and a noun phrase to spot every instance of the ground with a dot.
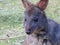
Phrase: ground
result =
(11, 20)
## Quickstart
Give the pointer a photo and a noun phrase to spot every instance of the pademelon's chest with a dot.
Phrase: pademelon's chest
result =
(33, 40)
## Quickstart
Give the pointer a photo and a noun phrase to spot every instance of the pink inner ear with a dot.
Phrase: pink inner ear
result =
(43, 4)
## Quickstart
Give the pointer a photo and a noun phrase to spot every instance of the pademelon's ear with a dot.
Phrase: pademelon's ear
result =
(26, 4)
(42, 4)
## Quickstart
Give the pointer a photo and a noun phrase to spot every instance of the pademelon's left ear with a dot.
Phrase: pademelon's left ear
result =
(42, 4)
(26, 4)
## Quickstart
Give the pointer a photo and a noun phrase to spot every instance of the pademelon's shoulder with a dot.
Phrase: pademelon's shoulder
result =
(53, 26)
(52, 22)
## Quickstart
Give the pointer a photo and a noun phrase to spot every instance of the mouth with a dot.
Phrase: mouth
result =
(43, 31)
(37, 32)
(40, 31)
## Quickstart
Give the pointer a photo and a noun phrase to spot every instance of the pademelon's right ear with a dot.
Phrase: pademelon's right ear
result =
(26, 4)
(42, 4)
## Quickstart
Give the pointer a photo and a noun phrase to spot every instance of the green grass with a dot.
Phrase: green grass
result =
(11, 19)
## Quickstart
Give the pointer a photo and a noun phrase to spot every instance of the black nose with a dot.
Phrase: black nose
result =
(28, 32)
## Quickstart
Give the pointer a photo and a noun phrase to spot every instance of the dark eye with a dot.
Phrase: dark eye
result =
(25, 19)
(36, 20)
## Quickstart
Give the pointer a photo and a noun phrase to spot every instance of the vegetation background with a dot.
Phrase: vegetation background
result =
(11, 19)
